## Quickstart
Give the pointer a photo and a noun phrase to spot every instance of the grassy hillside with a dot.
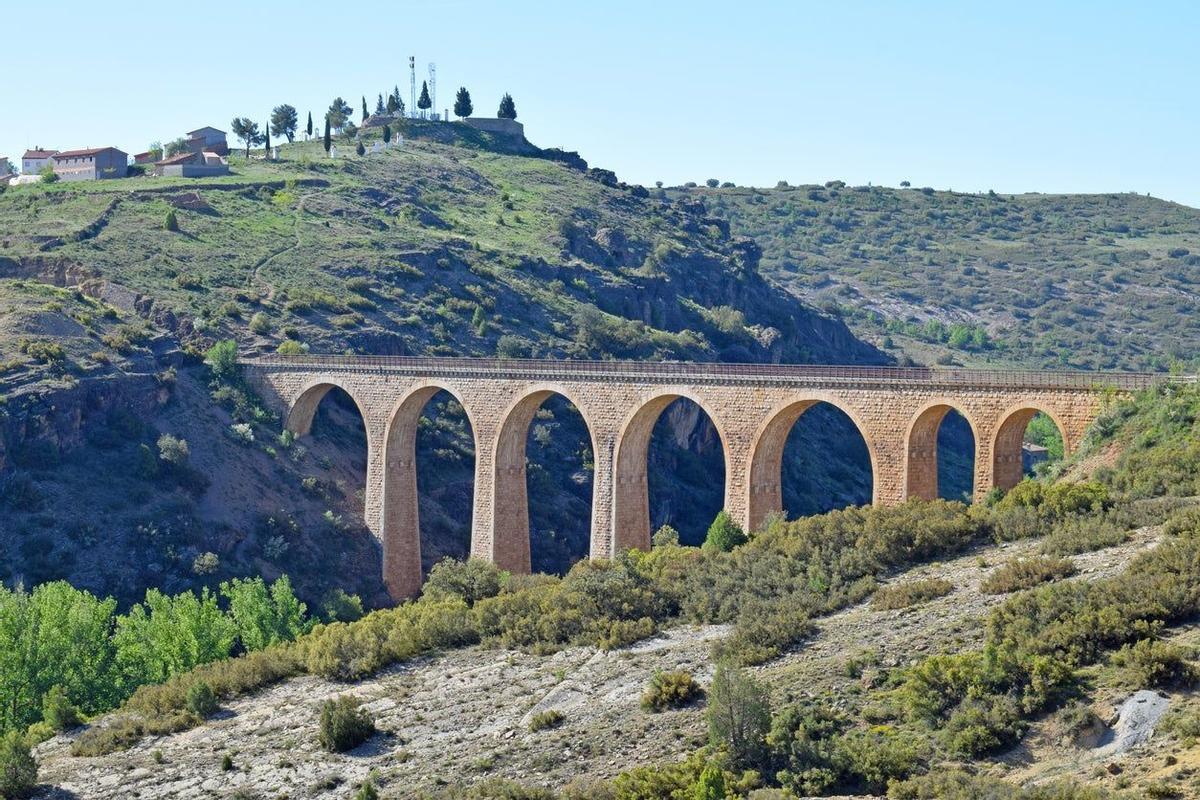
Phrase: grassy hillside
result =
(1080, 281)
(455, 244)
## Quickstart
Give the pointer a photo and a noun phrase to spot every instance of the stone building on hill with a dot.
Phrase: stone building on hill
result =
(91, 164)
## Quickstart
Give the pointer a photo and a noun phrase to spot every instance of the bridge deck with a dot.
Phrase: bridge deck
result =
(712, 372)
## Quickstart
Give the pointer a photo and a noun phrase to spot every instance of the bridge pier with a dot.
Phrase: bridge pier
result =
(753, 407)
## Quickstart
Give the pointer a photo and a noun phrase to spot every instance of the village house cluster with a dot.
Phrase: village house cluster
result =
(204, 155)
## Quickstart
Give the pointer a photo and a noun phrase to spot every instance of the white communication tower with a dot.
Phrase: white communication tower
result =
(433, 88)
(412, 86)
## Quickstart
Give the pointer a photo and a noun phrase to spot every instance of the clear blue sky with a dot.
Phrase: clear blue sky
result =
(1015, 96)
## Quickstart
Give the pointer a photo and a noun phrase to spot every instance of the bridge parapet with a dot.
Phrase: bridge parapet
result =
(898, 411)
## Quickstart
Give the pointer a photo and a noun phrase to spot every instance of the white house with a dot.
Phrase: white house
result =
(35, 160)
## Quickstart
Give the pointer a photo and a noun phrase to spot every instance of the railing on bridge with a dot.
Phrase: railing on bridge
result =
(678, 370)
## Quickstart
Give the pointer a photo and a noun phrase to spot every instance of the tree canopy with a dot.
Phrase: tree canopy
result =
(462, 103)
(247, 130)
(284, 120)
(339, 111)
(508, 109)
(424, 102)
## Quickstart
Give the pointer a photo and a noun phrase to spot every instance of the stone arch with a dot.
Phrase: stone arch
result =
(510, 494)
(1007, 463)
(631, 490)
(303, 408)
(921, 448)
(764, 495)
(401, 524)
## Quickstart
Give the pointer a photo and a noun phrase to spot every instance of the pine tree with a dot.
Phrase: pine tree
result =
(284, 120)
(508, 109)
(462, 103)
(309, 128)
(328, 141)
(423, 102)
(379, 107)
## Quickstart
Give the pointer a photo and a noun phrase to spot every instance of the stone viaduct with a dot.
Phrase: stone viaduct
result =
(897, 410)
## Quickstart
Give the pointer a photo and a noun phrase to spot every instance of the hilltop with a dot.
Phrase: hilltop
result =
(1056, 281)
(457, 243)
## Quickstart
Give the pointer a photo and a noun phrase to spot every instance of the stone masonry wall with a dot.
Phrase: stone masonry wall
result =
(753, 415)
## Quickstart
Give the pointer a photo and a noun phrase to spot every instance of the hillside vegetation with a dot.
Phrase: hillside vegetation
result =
(1079, 281)
(454, 244)
(942, 724)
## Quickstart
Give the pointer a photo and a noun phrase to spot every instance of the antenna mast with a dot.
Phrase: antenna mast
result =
(412, 86)
(433, 88)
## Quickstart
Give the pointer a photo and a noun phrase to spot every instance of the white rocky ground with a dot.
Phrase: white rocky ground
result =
(465, 715)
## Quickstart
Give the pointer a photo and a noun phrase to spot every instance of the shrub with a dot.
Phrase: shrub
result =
(764, 630)
(171, 223)
(201, 700)
(739, 716)
(910, 593)
(291, 347)
(710, 785)
(664, 536)
(1155, 663)
(1077, 535)
(674, 689)
(57, 710)
(342, 607)
(981, 726)
(724, 534)
(172, 450)
(471, 580)
(543, 720)
(1025, 573)
(367, 792)
(343, 725)
(882, 754)
(222, 359)
(18, 770)
(260, 323)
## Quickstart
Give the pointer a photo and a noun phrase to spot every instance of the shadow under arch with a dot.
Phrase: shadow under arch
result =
(765, 485)
(631, 490)
(303, 408)
(401, 523)
(510, 546)
(921, 476)
(1008, 464)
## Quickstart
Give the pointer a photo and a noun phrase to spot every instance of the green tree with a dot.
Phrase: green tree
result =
(387, 133)
(155, 151)
(724, 534)
(171, 222)
(175, 147)
(55, 635)
(393, 104)
(508, 109)
(18, 770)
(710, 785)
(424, 102)
(267, 140)
(338, 113)
(164, 636)
(222, 359)
(48, 174)
(284, 120)
(247, 130)
(309, 129)
(462, 103)
(201, 700)
(264, 616)
(58, 711)
(380, 108)
(739, 716)
(328, 142)
(359, 149)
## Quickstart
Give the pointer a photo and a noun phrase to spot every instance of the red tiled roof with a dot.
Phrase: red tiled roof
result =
(178, 158)
(81, 153)
(39, 153)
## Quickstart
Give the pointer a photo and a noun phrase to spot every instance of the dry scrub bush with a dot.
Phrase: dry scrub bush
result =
(1025, 573)
(910, 593)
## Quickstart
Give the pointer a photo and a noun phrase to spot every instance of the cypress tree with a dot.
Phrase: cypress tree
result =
(365, 114)
(387, 133)
(423, 102)
(309, 129)
(267, 140)
(391, 104)
(360, 149)
(508, 109)
(328, 142)
(462, 103)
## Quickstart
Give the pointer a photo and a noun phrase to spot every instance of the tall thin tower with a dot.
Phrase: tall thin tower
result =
(433, 88)
(412, 86)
